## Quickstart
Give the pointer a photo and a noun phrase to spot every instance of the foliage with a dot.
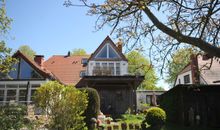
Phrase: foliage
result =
(6, 61)
(78, 52)
(5, 21)
(12, 117)
(161, 26)
(93, 107)
(155, 116)
(139, 65)
(179, 60)
(27, 51)
(64, 105)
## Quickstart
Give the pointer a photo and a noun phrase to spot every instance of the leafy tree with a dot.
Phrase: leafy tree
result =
(78, 52)
(166, 24)
(26, 50)
(139, 65)
(64, 105)
(5, 21)
(6, 61)
(179, 60)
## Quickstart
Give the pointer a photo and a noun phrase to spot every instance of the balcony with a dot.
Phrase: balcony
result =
(103, 71)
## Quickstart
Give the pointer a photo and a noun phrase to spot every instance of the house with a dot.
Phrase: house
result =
(202, 69)
(147, 97)
(28, 76)
(106, 70)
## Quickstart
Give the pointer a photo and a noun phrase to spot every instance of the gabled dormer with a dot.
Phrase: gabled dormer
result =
(108, 60)
(26, 69)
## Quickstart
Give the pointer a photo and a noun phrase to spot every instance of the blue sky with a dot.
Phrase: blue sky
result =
(50, 28)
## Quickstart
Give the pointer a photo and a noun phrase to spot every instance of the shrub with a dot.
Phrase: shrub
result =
(155, 116)
(12, 117)
(93, 107)
(64, 105)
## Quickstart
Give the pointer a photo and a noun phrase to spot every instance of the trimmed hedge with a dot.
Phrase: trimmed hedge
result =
(155, 116)
(93, 107)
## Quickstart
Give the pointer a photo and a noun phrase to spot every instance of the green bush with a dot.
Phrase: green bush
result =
(93, 107)
(155, 116)
(12, 117)
(64, 105)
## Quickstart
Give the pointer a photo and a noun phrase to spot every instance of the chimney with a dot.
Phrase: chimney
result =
(39, 59)
(194, 69)
(120, 44)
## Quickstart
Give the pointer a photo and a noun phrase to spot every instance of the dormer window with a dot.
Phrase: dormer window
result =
(84, 61)
(82, 73)
(107, 52)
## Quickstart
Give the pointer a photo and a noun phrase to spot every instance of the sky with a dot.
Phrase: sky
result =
(50, 28)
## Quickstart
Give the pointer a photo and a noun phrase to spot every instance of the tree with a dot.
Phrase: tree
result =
(180, 59)
(64, 105)
(27, 51)
(139, 65)
(166, 24)
(6, 61)
(79, 52)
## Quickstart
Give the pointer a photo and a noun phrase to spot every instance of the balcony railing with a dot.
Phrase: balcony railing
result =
(105, 71)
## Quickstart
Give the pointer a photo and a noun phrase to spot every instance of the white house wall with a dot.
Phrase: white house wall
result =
(209, 75)
(181, 77)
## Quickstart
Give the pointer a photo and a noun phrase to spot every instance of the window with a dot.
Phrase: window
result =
(11, 94)
(22, 95)
(186, 79)
(82, 73)
(32, 94)
(179, 81)
(117, 68)
(103, 52)
(107, 52)
(112, 53)
(104, 65)
(84, 61)
(2, 95)
(148, 99)
(27, 72)
(111, 67)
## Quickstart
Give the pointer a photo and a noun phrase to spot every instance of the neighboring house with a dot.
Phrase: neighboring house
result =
(147, 97)
(202, 69)
(25, 79)
(106, 70)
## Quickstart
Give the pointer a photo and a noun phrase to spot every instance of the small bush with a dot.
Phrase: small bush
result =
(12, 117)
(155, 116)
(93, 107)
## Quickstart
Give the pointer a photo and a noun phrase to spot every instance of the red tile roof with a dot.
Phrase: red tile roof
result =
(66, 68)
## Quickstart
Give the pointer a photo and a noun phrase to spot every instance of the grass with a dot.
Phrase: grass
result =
(130, 118)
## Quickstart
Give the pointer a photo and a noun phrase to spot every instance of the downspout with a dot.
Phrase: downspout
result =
(27, 90)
